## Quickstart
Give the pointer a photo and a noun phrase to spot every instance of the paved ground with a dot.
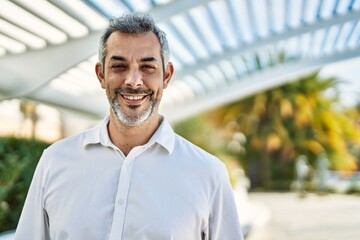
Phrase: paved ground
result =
(330, 217)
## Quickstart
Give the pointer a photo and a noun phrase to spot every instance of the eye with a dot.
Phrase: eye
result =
(119, 67)
(148, 68)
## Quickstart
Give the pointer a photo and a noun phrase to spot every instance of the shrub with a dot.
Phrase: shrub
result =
(18, 160)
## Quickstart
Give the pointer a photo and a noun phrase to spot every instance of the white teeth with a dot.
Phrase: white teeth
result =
(133, 97)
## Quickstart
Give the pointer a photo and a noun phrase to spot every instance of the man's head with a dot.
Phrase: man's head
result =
(134, 67)
(135, 23)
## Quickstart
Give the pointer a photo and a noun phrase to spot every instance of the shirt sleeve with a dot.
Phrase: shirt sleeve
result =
(224, 221)
(33, 223)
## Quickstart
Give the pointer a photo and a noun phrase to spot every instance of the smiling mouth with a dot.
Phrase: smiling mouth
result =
(134, 97)
(133, 101)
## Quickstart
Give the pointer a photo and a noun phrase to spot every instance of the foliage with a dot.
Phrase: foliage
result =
(206, 136)
(266, 132)
(18, 160)
(202, 133)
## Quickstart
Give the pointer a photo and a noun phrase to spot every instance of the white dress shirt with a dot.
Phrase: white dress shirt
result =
(84, 188)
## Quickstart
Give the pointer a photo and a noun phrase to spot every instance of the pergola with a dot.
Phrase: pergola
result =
(223, 50)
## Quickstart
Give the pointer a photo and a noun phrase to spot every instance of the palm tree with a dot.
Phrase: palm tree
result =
(298, 118)
(302, 117)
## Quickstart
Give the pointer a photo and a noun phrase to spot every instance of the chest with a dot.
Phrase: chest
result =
(135, 200)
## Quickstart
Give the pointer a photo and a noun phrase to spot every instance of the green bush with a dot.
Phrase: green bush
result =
(18, 160)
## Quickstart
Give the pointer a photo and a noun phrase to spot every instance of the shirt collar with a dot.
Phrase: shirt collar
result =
(98, 134)
(164, 135)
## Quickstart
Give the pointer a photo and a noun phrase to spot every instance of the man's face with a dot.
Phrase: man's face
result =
(133, 76)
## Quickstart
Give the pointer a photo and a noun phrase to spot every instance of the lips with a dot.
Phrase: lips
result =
(133, 101)
(134, 97)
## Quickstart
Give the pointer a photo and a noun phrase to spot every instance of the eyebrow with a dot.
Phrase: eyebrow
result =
(145, 59)
(118, 58)
(148, 59)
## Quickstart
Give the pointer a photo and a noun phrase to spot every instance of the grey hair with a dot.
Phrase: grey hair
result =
(134, 23)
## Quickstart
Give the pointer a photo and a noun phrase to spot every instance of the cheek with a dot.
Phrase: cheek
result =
(109, 90)
(112, 83)
(159, 92)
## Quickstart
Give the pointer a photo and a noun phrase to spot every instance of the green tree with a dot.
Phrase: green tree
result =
(300, 117)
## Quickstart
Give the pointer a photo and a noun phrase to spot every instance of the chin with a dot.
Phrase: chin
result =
(137, 120)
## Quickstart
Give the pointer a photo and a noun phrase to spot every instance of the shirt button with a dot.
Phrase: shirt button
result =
(121, 201)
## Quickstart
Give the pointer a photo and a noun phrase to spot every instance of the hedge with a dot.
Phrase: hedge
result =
(18, 160)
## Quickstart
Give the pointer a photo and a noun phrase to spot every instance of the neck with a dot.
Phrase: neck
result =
(127, 137)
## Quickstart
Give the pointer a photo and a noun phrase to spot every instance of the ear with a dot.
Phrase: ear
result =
(100, 74)
(169, 71)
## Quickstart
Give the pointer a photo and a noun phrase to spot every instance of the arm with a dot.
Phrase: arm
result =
(33, 223)
(224, 220)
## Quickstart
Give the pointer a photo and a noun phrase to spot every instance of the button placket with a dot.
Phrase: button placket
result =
(121, 201)
(122, 193)
(121, 196)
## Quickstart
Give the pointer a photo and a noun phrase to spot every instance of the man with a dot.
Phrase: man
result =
(131, 177)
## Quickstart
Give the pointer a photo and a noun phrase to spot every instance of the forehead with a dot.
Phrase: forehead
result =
(133, 45)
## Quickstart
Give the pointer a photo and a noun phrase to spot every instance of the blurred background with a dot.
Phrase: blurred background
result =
(271, 87)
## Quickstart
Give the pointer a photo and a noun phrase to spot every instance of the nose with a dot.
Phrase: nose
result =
(134, 79)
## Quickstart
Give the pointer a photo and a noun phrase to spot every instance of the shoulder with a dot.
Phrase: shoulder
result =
(197, 157)
(202, 169)
(70, 146)
(71, 142)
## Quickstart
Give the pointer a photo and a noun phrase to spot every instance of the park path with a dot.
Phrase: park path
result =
(329, 217)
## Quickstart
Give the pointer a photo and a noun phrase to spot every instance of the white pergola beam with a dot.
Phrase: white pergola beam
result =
(229, 53)
(164, 12)
(23, 74)
(91, 105)
(257, 82)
